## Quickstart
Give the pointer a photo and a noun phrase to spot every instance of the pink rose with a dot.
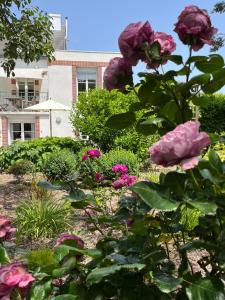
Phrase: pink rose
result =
(84, 157)
(70, 237)
(5, 228)
(118, 74)
(99, 177)
(194, 27)
(120, 168)
(94, 153)
(130, 179)
(131, 41)
(180, 146)
(119, 184)
(13, 276)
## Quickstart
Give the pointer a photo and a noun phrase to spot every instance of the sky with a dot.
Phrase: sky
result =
(95, 25)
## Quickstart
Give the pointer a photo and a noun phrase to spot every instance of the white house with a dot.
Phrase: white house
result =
(61, 80)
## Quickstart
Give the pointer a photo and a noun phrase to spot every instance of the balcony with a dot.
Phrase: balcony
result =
(9, 102)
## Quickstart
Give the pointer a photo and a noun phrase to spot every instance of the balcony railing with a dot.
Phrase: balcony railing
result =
(9, 102)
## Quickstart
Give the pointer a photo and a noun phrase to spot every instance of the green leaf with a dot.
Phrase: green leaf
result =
(155, 50)
(96, 275)
(177, 59)
(215, 161)
(4, 258)
(145, 90)
(121, 121)
(216, 83)
(166, 283)
(153, 198)
(169, 110)
(196, 58)
(66, 297)
(201, 101)
(205, 289)
(199, 79)
(38, 293)
(48, 186)
(206, 207)
(213, 63)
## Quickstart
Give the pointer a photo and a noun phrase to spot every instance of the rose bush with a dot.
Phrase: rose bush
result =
(6, 229)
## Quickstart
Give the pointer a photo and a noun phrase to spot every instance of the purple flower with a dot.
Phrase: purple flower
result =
(99, 177)
(120, 168)
(70, 237)
(194, 27)
(118, 74)
(180, 146)
(14, 276)
(131, 41)
(166, 42)
(94, 153)
(6, 229)
(84, 157)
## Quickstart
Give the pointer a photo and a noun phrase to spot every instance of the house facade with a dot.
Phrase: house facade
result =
(71, 73)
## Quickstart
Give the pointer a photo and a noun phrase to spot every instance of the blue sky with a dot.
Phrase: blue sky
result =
(96, 24)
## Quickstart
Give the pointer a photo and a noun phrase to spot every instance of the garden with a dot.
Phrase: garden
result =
(138, 211)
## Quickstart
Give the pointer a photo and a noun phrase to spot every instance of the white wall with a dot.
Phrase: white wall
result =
(60, 84)
(85, 55)
(0, 131)
(44, 126)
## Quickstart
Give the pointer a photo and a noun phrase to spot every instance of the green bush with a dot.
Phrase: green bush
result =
(41, 218)
(20, 168)
(212, 115)
(36, 150)
(118, 156)
(93, 110)
(60, 165)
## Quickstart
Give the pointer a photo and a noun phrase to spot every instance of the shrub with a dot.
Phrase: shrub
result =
(91, 113)
(21, 167)
(60, 165)
(36, 150)
(212, 115)
(41, 218)
(118, 156)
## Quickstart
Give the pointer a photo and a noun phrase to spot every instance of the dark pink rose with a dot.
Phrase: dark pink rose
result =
(180, 146)
(94, 153)
(130, 179)
(13, 276)
(70, 237)
(120, 168)
(119, 184)
(99, 177)
(194, 27)
(84, 157)
(118, 74)
(6, 229)
(131, 41)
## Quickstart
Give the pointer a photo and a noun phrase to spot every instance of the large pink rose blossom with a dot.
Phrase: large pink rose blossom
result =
(13, 276)
(118, 74)
(194, 27)
(94, 153)
(180, 146)
(131, 41)
(120, 168)
(124, 180)
(6, 229)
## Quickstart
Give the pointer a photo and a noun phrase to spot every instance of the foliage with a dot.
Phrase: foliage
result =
(19, 24)
(118, 156)
(36, 150)
(41, 218)
(91, 113)
(212, 113)
(60, 165)
(220, 149)
(20, 168)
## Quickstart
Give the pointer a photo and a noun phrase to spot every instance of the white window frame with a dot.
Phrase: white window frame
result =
(22, 131)
(26, 81)
(87, 74)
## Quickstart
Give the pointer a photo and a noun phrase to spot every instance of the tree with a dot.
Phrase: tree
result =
(91, 113)
(26, 33)
(219, 7)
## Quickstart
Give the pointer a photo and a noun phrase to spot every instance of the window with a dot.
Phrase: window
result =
(26, 89)
(86, 79)
(21, 131)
